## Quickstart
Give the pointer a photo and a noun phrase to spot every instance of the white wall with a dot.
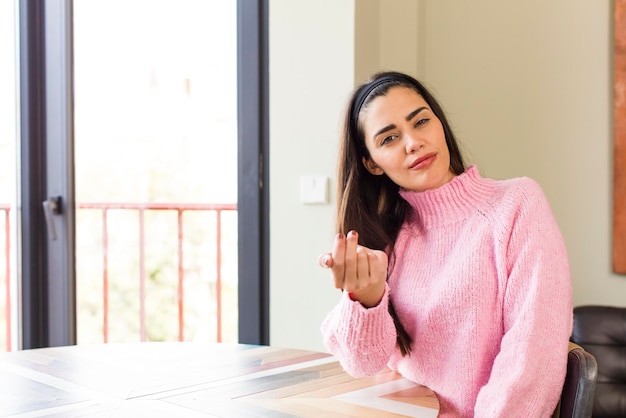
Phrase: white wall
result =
(387, 37)
(527, 87)
(311, 75)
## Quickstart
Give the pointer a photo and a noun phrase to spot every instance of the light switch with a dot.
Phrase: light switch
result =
(314, 189)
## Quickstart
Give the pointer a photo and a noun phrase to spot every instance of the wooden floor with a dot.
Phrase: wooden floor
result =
(187, 379)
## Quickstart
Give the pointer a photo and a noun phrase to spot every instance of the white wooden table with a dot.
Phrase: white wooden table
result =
(188, 379)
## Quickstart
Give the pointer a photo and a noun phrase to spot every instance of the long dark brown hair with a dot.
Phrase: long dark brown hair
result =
(370, 204)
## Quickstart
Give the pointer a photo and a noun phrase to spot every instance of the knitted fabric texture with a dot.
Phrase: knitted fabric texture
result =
(481, 282)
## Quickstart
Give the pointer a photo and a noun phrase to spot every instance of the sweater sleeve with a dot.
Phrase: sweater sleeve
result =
(362, 339)
(529, 370)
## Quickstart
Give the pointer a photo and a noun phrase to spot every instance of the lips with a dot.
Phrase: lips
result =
(420, 161)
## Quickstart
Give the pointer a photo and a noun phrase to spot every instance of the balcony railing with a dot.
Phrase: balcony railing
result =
(141, 209)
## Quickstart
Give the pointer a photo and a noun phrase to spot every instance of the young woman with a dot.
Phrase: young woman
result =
(459, 282)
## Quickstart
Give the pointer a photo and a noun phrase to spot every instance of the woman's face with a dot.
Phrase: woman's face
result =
(406, 141)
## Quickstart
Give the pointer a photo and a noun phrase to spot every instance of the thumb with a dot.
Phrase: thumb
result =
(325, 260)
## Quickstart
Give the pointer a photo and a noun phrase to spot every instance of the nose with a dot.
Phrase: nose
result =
(413, 143)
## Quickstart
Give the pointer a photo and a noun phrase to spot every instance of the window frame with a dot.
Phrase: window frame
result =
(253, 171)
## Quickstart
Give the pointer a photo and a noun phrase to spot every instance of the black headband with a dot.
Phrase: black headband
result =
(365, 92)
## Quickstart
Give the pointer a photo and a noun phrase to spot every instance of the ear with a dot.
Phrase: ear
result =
(371, 166)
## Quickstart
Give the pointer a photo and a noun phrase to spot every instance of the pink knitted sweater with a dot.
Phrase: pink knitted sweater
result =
(481, 283)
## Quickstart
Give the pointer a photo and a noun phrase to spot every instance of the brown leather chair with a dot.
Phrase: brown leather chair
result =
(580, 381)
(601, 330)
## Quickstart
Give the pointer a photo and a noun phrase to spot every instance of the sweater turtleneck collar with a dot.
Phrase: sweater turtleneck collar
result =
(454, 201)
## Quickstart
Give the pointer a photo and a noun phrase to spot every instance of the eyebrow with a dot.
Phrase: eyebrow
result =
(408, 118)
(415, 112)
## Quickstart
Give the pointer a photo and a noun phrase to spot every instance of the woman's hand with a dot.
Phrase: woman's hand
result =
(358, 270)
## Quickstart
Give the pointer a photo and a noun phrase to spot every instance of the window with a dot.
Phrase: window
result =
(156, 170)
(49, 144)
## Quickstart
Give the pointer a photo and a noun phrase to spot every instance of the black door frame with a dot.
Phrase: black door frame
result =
(253, 193)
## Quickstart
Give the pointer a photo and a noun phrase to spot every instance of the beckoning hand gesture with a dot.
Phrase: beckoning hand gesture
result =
(358, 270)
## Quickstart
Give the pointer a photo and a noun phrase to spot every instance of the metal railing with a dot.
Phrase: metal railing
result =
(140, 208)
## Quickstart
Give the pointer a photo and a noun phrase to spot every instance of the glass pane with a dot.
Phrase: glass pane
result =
(156, 170)
(8, 172)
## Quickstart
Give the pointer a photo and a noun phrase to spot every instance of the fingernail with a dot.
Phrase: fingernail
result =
(340, 236)
(352, 234)
(323, 260)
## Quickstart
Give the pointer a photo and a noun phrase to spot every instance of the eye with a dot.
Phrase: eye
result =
(387, 139)
(421, 121)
